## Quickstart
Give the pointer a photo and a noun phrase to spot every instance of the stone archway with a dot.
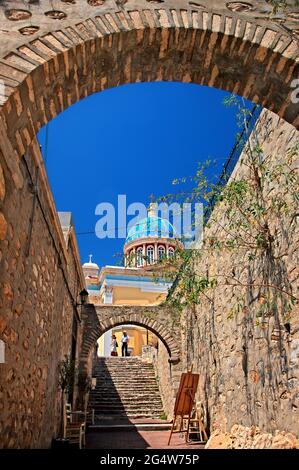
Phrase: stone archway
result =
(61, 65)
(47, 64)
(160, 320)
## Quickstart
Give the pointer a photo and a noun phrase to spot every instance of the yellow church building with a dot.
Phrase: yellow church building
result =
(135, 283)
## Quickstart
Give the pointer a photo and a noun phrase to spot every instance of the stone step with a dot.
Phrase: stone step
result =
(127, 391)
(116, 370)
(125, 400)
(127, 397)
(126, 388)
(117, 392)
(119, 371)
(132, 414)
(147, 407)
(122, 359)
(121, 407)
(123, 364)
(131, 409)
(111, 386)
(149, 381)
(127, 406)
(130, 372)
(125, 377)
(147, 403)
(134, 377)
(131, 427)
(122, 367)
(126, 382)
(139, 384)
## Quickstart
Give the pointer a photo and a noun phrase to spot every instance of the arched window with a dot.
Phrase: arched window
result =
(131, 260)
(150, 254)
(139, 257)
(171, 252)
(161, 252)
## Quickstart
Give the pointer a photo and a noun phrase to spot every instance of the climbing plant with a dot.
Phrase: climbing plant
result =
(252, 223)
(67, 372)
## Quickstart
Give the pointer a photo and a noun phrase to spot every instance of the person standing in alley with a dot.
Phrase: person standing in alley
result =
(114, 346)
(124, 344)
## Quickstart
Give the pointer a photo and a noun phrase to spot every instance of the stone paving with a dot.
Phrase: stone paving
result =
(138, 440)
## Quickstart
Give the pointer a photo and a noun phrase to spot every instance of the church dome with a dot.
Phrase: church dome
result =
(90, 264)
(151, 226)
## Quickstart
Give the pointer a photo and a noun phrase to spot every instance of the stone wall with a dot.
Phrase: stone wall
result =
(168, 377)
(248, 365)
(40, 279)
(242, 437)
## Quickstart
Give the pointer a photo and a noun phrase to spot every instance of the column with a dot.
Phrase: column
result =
(108, 295)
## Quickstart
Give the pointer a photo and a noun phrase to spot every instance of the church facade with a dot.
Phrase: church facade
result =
(139, 282)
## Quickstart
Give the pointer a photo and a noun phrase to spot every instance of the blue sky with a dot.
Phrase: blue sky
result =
(133, 140)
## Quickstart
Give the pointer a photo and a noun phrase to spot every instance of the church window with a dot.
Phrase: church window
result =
(161, 252)
(150, 255)
(139, 257)
(171, 252)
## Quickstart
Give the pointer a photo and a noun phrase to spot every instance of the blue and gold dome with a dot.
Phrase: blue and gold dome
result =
(149, 227)
(150, 240)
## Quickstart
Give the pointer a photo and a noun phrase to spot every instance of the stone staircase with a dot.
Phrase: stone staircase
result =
(126, 388)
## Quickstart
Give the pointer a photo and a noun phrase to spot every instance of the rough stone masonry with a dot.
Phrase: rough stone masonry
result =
(248, 364)
(49, 60)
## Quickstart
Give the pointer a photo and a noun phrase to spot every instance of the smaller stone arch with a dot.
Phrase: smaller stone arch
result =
(158, 319)
(168, 341)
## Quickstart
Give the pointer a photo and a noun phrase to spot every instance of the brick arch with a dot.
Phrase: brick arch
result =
(165, 336)
(158, 319)
(90, 334)
(45, 75)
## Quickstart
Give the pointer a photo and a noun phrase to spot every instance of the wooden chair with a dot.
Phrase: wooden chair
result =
(197, 423)
(90, 415)
(74, 426)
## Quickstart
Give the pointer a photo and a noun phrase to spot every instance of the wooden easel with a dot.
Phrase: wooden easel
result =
(184, 403)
